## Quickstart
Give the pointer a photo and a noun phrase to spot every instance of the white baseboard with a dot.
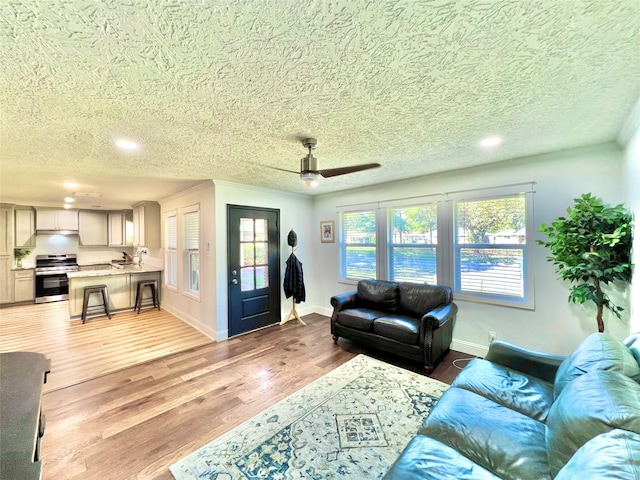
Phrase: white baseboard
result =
(202, 328)
(327, 312)
(470, 348)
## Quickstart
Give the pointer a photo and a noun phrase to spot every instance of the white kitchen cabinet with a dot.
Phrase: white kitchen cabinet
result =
(50, 219)
(117, 229)
(146, 224)
(6, 285)
(6, 252)
(93, 228)
(6, 230)
(23, 285)
(25, 227)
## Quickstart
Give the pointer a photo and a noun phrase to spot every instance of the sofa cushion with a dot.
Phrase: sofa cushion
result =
(416, 299)
(599, 351)
(428, 459)
(358, 318)
(513, 389)
(501, 440)
(595, 403)
(398, 327)
(614, 455)
(378, 295)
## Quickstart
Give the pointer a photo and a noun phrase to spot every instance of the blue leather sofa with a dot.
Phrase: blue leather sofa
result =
(518, 414)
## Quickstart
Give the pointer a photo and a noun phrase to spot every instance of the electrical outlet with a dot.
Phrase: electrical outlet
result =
(492, 336)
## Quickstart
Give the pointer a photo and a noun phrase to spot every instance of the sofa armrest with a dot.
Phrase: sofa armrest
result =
(540, 365)
(439, 316)
(343, 301)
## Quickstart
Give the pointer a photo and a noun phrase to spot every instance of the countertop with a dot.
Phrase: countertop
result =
(114, 271)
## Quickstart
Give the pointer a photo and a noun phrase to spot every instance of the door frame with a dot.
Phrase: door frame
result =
(275, 211)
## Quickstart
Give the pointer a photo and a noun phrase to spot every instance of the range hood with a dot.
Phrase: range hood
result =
(56, 232)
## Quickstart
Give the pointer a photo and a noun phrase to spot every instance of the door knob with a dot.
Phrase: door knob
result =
(234, 281)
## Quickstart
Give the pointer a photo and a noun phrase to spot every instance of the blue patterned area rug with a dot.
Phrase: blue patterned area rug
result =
(351, 423)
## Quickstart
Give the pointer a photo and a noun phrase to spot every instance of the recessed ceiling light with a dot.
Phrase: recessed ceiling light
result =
(69, 199)
(67, 206)
(127, 145)
(489, 142)
(70, 185)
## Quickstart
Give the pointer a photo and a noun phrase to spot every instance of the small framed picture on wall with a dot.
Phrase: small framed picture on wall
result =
(327, 231)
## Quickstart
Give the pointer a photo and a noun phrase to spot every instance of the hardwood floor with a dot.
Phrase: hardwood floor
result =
(134, 423)
(81, 352)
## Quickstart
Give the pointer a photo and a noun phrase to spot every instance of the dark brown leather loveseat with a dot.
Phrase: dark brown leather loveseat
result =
(411, 320)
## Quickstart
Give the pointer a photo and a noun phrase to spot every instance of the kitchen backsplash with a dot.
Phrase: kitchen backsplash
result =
(61, 244)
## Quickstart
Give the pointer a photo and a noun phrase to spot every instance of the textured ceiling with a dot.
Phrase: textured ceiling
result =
(222, 90)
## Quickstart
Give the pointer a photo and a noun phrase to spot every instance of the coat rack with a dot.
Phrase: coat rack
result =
(292, 240)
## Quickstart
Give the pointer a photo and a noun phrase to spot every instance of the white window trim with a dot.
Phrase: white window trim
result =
(446, 249)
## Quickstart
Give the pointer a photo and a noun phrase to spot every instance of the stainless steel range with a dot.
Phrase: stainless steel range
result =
(52, 284)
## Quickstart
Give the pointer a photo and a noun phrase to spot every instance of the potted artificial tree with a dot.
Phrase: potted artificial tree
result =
(591, 246)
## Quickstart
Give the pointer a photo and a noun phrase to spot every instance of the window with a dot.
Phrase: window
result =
(171, 254)
(413, 235)
(254, 254)
(479, 243)
(358, 245)
(191, 251)
(491, 248)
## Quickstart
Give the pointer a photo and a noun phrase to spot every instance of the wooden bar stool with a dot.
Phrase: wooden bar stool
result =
(101, 289)
(153, 285)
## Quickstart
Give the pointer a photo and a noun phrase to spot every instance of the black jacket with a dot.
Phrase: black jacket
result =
(293, 279)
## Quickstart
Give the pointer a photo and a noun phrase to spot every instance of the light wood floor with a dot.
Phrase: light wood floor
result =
(135, 423)
(81, 352)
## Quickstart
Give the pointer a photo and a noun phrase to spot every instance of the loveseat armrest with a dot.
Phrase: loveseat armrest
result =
(439, 316)
(540, 365)
(344, 301)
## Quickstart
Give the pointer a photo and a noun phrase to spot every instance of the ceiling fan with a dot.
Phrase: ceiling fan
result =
(310, 173)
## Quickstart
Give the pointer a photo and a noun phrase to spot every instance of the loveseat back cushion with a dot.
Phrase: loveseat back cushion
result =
(503, 441)
(398, 327)
(614, 455)
(518, 391)
(593, 404)
(378, 295)
(599, 351)
(417, 299)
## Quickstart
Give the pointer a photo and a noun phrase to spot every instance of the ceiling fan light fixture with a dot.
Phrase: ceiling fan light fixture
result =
(310, 179)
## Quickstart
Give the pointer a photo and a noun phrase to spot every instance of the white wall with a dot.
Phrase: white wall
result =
(632, 175)
(295, 212)
(198, 313)
(554, 326)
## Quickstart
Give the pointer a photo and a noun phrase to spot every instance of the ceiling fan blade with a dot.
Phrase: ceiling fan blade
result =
(334, 172)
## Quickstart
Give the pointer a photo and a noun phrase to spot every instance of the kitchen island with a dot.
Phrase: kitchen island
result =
(121, 284)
